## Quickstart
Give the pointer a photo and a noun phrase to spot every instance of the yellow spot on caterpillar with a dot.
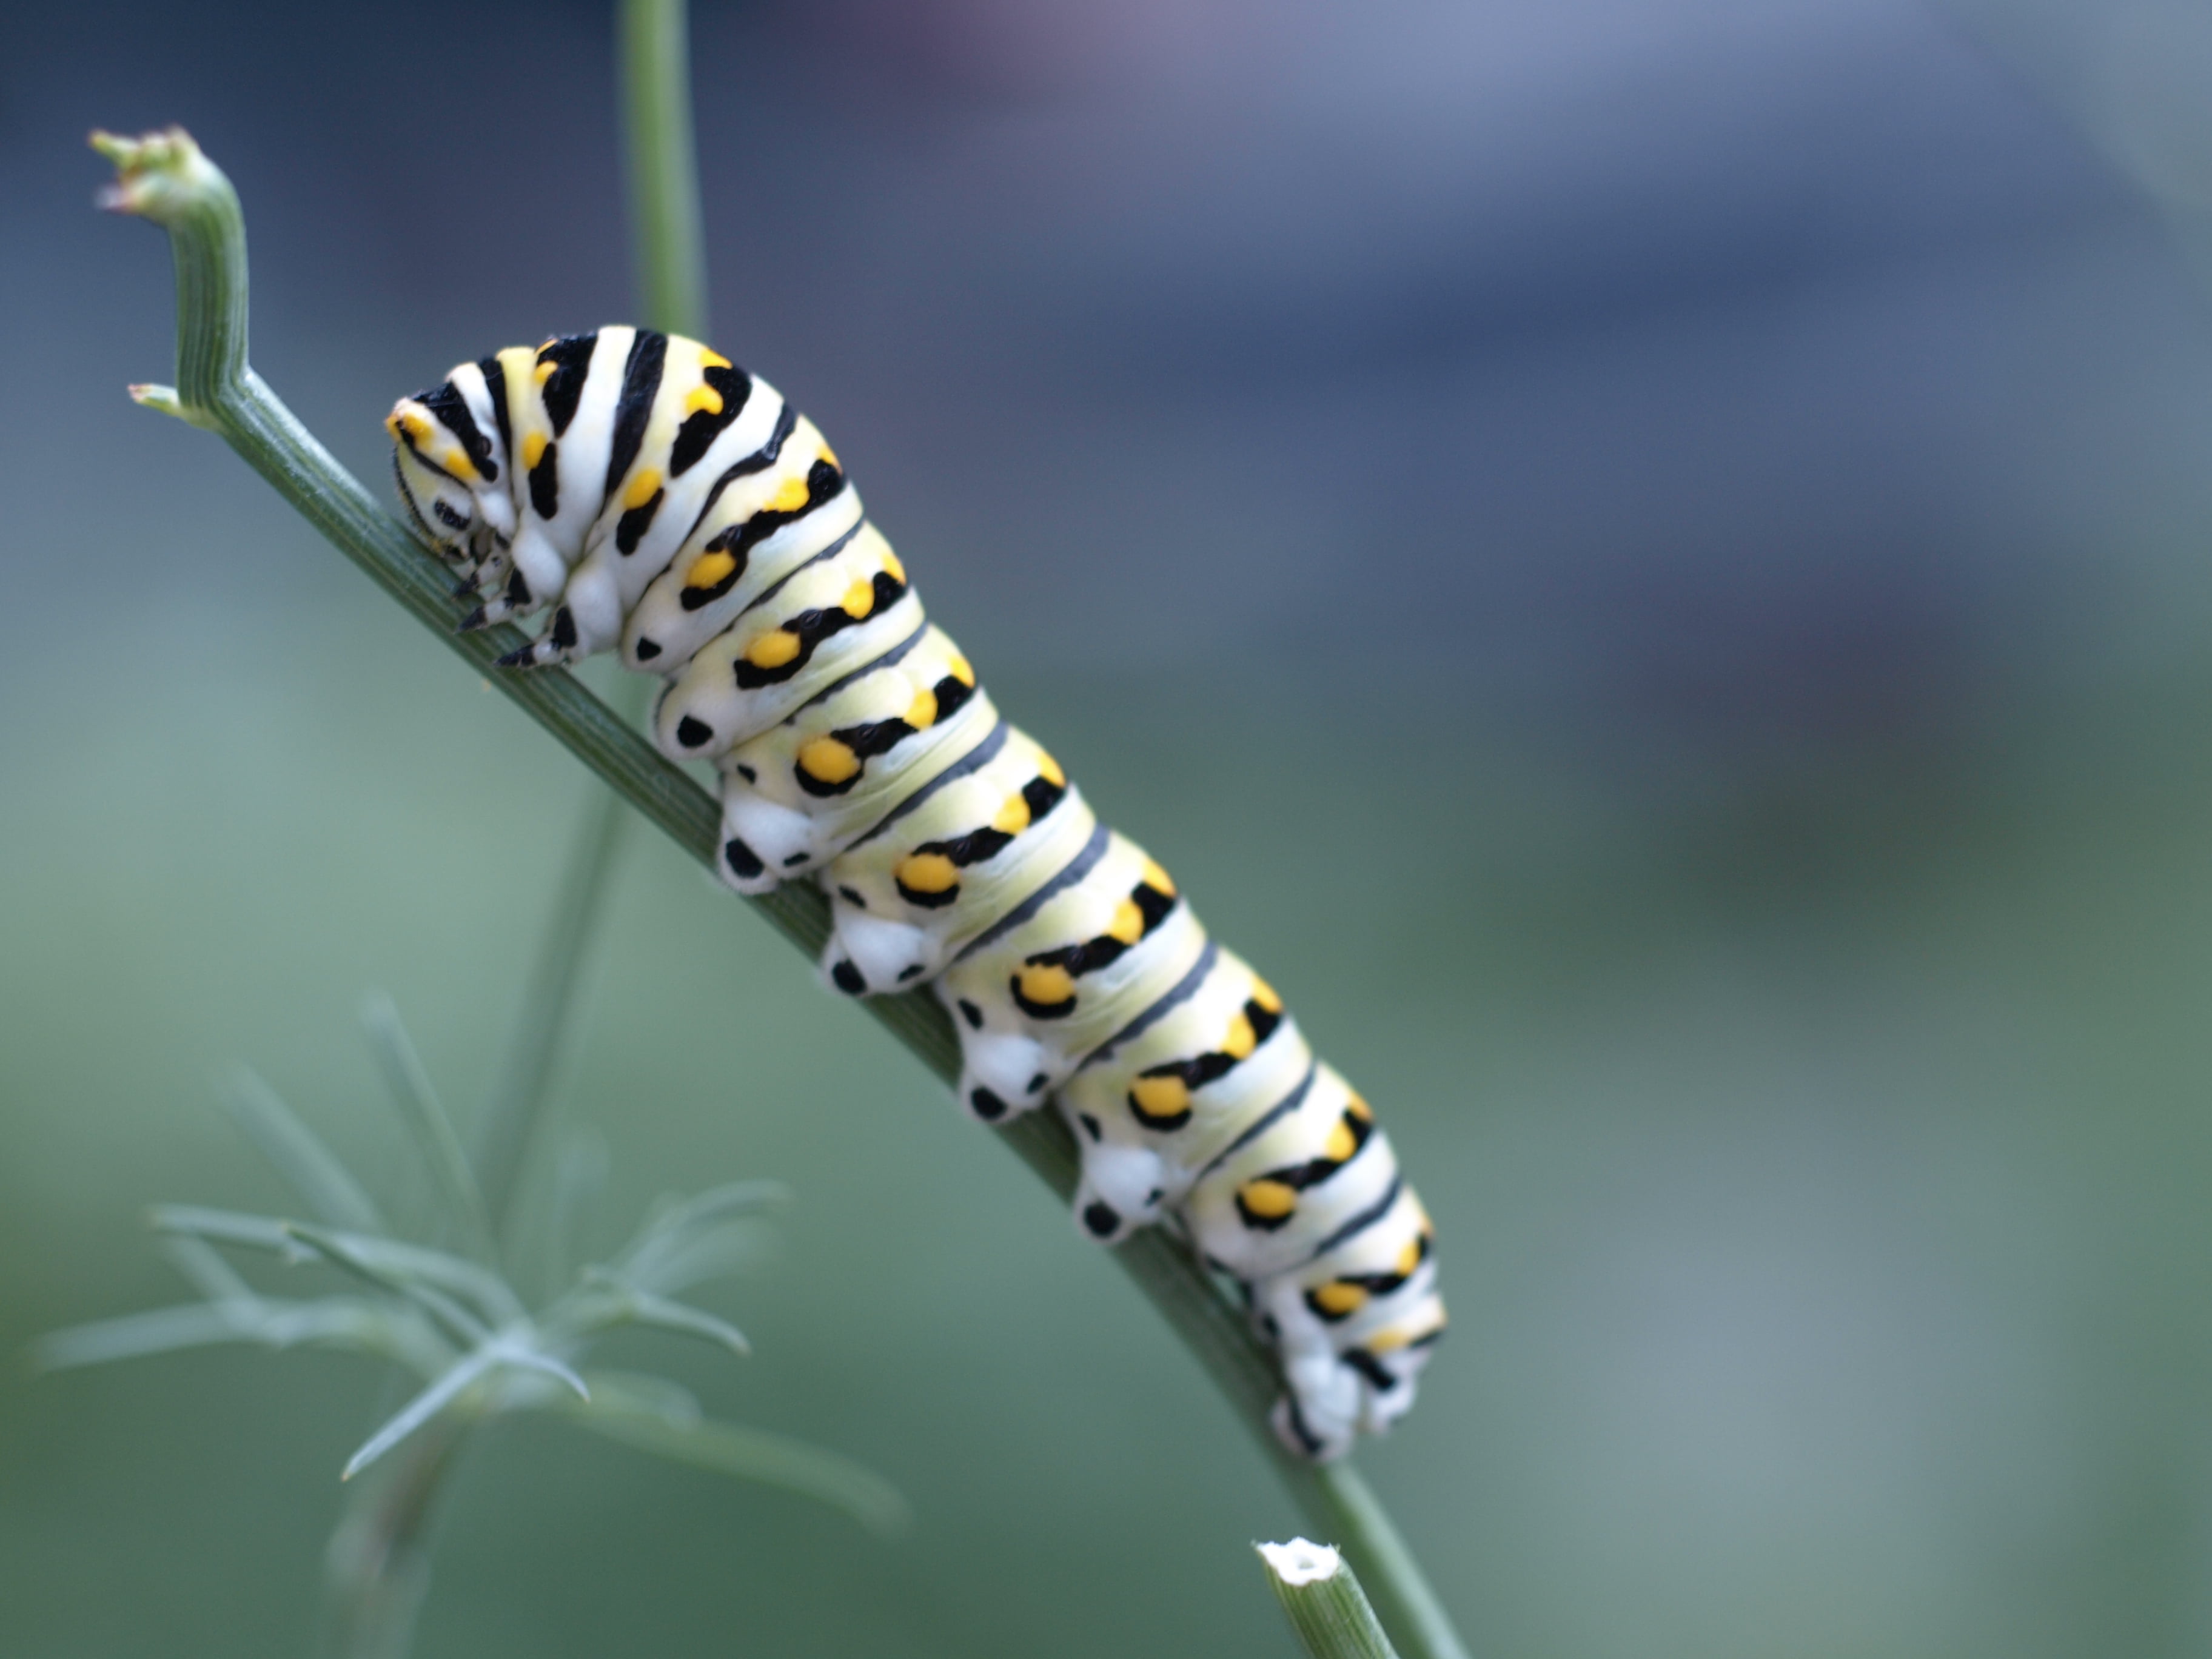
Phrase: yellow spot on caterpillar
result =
(921, 712)
(533, 451)
(1341, 1143)
(1398, 1335)
(772, 650)
(1013, 817)
(1409, 1257)
(709, 358)
(960, 670)
(642, 487)
(891, 563)
(828, 761)
(928, 872)
(1340, 1298)
(1128, 923)
(1355, 1107)
(789, 497)
(459, 463)
(703, 397)
(830, 456)
(543, 372)
(1160, 1096)
(1264, 994)
(1047, 984)
(710, 570)
(1268, 1200)
(406, 423)
(1238, 1041)
(1047, 768)
(1158, 879)
(860, 599)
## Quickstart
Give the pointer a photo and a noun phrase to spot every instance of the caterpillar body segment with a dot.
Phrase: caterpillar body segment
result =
(854, 753)
(1101, 941)
(841, 609)
(1354, 1325)
(757, 527)
(984, 836)
(1155, 1109)
(661, 501)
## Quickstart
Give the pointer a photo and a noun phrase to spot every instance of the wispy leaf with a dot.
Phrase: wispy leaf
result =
(608, 1301)
(205, 1270)
(670, 1231)
(579, 1179)
(647, 1391)
(406, 1267)
(160, 1330)
(257, 1232)
(372, 1260)
(748, 1454)
(421, 1409)
(512, 1352)
(297, 1153)
(713, 1251)
(434, 1135)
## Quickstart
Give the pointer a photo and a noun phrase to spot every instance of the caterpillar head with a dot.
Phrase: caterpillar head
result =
(448, 483)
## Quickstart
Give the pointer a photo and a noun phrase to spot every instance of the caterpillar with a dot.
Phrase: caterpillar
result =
(666, 504)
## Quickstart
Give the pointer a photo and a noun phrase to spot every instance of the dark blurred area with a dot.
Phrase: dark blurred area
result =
(1644, 561)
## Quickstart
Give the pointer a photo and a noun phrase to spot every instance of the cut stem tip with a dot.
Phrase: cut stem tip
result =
(1301, 1561)
(158, 175)
(1321, 1596)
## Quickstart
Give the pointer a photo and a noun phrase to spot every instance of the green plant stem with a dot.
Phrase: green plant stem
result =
(166, 179)
(663, 182)
(663, 167)
(1321, 1596)
(376, 1570)
(519, 1094)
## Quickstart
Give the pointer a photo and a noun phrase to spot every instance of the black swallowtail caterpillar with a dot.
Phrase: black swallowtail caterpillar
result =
(664, 501)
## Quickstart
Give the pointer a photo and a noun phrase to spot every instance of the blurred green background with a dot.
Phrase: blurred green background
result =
(1644, 560)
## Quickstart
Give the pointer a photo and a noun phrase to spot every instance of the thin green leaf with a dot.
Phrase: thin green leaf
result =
(670, 1227)
(647, 1392)
(205, 1270)
(620, 1304)
(257, 1232)
(160, 1330)
(579, 1178)
(422, 1408)
(712, 1252)
(432, 1130)
(510, 1351)
(750, 1454)
(411, 1269)
(309, 1167)
(338, 1251)
(387, 1331)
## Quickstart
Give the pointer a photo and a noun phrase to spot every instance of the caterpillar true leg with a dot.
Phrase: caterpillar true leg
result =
(658, 499)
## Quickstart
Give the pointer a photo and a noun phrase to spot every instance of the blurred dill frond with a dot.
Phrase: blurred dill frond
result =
(443, 1308)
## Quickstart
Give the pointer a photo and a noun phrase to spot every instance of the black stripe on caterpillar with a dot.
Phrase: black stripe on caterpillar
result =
(662, 502)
